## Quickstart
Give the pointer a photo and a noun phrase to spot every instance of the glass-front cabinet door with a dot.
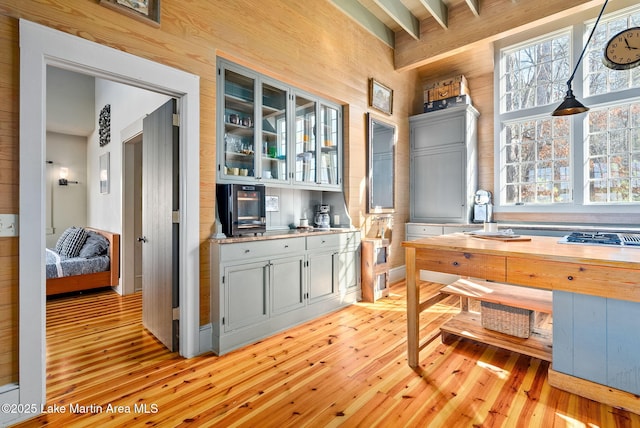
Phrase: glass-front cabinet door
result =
(239, 132)
(274, 134)
(305, 140)
(330, 137)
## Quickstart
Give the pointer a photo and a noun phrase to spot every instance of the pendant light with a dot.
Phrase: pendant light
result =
(570, 105)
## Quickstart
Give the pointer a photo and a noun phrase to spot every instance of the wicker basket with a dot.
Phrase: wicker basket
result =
(507, 319)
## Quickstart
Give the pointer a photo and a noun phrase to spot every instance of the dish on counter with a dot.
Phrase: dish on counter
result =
(499, 233)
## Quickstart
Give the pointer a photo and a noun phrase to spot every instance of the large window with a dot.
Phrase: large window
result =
(613, 154)
(568, 161)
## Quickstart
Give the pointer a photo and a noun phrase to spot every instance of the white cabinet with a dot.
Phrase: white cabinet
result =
(259, 287)
(286, 278)
(245, 291)
(443, 165)
(322, 277)
(334, 267)
(276, 134)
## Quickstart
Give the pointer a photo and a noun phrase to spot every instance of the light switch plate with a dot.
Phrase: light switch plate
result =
(8, 224)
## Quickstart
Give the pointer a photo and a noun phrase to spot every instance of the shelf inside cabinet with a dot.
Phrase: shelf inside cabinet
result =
(233, 102)
(239, 129)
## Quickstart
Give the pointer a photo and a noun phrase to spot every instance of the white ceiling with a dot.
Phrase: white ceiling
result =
(70, 102)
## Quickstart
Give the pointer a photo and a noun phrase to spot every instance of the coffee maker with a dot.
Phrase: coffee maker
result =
(321, 218)
(483, 208)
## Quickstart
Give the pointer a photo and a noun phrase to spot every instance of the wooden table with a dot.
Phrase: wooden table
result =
(583, 278)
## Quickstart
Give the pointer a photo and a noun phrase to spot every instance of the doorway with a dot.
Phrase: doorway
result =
(131, 276)
(41, 46)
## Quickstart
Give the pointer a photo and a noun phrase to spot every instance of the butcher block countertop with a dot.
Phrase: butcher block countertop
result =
(542, 262)
(538, 247)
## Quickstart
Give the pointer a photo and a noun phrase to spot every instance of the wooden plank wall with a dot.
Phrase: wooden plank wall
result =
(309, 44)
(9, 158)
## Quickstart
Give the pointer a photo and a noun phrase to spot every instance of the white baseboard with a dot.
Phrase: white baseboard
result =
(10, 394)
(397, 274)
(206, 338)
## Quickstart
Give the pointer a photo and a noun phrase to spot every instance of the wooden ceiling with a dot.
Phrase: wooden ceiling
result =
(421, 32)
(384, 18)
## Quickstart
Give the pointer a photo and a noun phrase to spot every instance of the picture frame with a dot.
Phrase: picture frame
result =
(104, 173)
(147, 11)
(380, 97)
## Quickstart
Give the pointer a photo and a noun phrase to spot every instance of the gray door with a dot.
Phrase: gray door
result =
(159, 231)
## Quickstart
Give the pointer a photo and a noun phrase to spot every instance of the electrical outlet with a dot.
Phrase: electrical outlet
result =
(8, 224)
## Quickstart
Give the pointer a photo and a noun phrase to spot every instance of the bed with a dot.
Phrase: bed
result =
(93, 263)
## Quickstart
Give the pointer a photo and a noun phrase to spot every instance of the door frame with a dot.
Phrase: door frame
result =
(41, 46)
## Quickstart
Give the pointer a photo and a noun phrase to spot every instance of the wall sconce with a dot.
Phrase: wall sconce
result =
(570, 105)
(64, 173)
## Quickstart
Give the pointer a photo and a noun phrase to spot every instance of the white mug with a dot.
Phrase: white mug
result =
(267, 174)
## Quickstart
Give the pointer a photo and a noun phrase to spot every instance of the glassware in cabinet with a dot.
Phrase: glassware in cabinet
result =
(305, 140)
(239, 131)
(274, 133)
(329, 138)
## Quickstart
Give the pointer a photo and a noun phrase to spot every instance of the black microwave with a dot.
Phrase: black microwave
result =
(241, 208)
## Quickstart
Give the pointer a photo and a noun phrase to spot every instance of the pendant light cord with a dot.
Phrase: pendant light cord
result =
(593, 30)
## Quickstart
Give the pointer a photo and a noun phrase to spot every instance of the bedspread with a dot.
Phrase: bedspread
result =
(58, 266)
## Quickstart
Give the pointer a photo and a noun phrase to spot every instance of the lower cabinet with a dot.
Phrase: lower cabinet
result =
(322, 276)
(286, 280)
(259, 288)
(245, 288)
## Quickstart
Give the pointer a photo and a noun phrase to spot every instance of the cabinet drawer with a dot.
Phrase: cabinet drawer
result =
(340, 241)
(464, 264)
(261, 249)
(423, 229)
(456, 229)
(604, 281)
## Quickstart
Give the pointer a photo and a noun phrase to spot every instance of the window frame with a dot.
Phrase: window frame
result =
(577, 27)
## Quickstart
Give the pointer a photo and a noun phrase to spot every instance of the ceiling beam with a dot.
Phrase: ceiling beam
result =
(438, 10)
(367, 20)
(500, 19)
(473, 5)
(402, 16)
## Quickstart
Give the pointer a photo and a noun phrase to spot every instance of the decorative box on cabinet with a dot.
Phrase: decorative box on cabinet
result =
(375, 269)
(443, 165)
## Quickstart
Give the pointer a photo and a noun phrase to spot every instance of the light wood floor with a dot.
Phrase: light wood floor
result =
(346, 369)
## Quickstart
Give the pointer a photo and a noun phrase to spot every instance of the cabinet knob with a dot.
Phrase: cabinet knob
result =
(286, 246)
(570, 278)
(455, 263)
(247, 251)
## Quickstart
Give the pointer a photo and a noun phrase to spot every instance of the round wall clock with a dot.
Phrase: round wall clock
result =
(622, 52)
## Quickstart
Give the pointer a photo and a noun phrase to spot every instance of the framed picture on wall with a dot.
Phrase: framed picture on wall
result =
(104, 173)
(147, 11)
(380, 97)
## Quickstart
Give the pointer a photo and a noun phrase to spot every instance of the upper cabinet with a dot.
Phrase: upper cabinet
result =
(443, 165)
(276, 134)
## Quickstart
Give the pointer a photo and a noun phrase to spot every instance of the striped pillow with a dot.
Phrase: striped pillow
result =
(73, 242)
(64, 235)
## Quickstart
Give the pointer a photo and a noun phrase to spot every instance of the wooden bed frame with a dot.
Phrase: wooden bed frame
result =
(92, 280)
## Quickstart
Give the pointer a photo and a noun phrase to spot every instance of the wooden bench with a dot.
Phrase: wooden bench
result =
(468, 324)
